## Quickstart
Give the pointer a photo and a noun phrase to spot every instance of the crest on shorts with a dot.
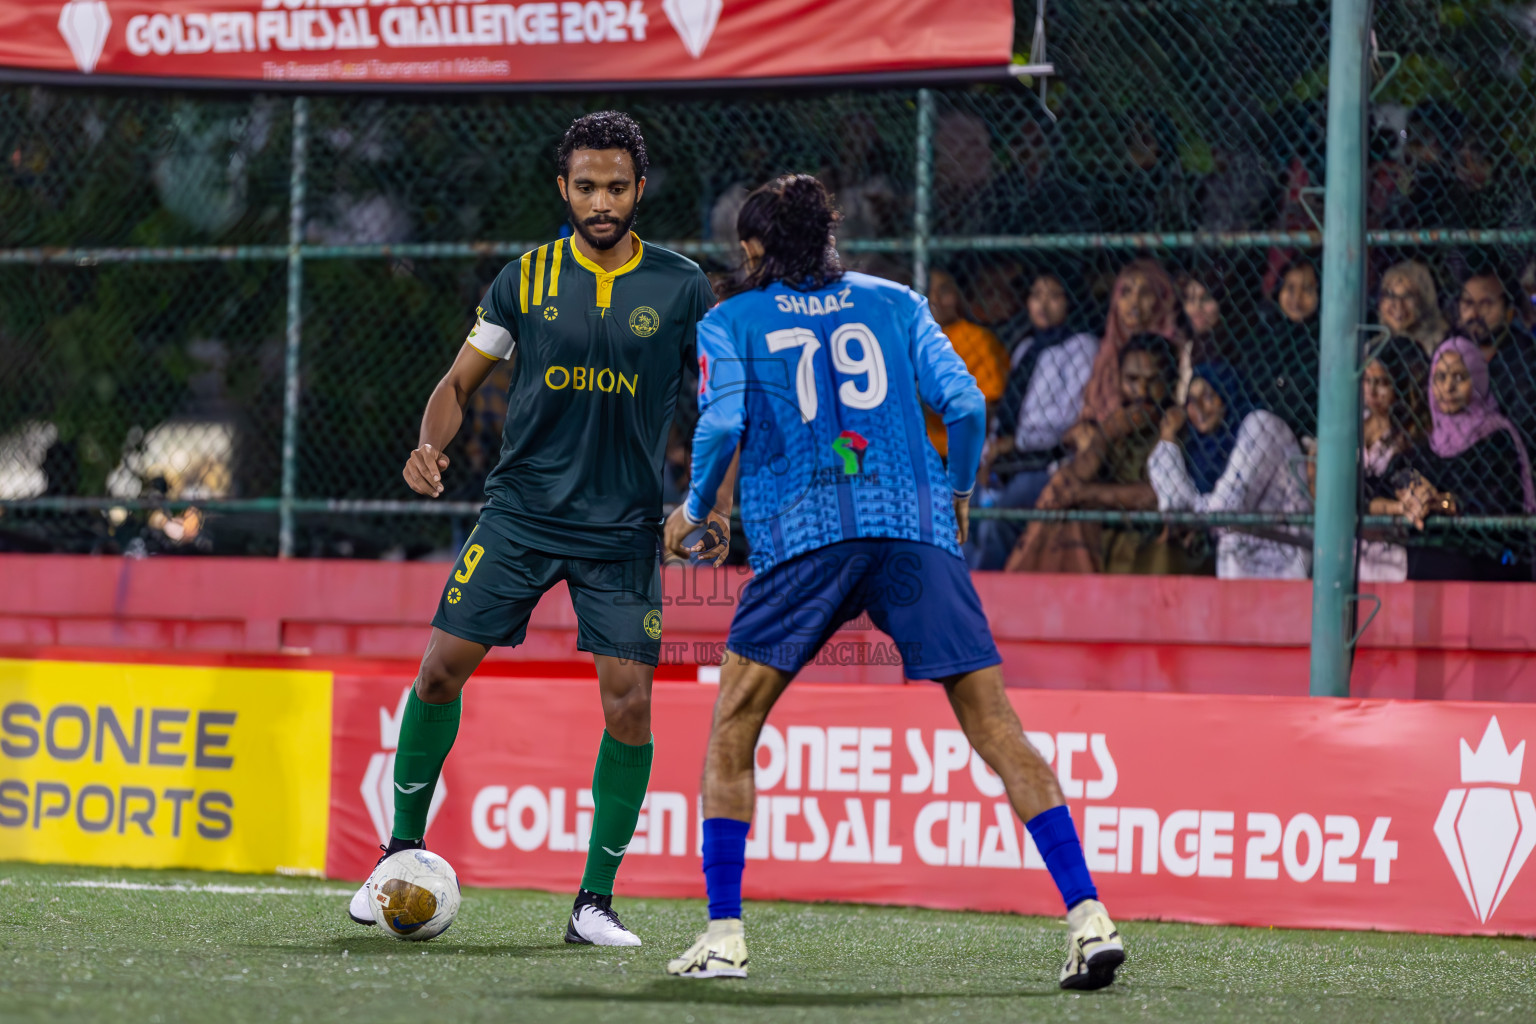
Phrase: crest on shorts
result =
(653, 624)
(550, 312)
(644, 321)
(454, 595)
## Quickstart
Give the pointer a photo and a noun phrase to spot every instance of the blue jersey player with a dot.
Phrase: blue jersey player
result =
(815, 374)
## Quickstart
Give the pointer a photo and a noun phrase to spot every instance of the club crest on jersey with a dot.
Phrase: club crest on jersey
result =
(644, 321)
(850, 447)
(653, 624)
(550, 312)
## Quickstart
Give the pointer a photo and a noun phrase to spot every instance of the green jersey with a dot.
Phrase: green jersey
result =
(598, 358)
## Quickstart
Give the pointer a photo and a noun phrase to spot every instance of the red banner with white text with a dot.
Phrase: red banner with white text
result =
(1245, 810)
(409, 42)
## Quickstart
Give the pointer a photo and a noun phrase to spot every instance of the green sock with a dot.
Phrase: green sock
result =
(427, 732)
(618, 789)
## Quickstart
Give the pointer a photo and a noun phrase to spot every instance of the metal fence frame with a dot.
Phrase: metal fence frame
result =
(1343, 241)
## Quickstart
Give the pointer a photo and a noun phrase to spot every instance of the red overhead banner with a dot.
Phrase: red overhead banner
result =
(1300, 812)
(406, 42)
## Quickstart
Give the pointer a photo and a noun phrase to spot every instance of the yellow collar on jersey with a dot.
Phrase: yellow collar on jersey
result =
(604, 277)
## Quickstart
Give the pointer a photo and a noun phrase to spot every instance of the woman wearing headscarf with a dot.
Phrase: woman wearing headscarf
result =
(1143, 300)
(1410, 306)
(1204, 302)
(1050, 366)
(1475, 464)
(1395, 424)
(1287, 384)
(1235, 458)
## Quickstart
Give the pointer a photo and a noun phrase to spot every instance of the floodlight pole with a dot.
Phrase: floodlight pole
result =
(1338, 413)
(295, 322)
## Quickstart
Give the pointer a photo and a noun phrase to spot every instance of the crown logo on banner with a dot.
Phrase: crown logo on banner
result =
(695, 21)
(1492, 761)
(84, 25)
(1488, 832)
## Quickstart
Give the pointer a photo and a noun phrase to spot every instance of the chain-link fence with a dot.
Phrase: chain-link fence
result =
(220, 315)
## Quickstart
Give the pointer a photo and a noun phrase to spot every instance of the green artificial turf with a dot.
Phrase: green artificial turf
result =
(158, 956)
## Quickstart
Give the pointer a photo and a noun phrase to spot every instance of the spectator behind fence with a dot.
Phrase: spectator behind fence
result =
(1203, 298)
(1034, 195)
(1149, 191)
(963, 170)
(1487, 318)
(1236, 459)
(998, 297)
(1287, 368)
(1109, 471)
(978, 347)
(1410, 306)
(1474, 464)
(1392, 392)
(1143, 300)
(1050, 366)
(859, 176)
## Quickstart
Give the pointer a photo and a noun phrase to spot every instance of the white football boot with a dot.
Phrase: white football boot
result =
(360, 909)
(721, 952)
(1094, 950)
(593, 923)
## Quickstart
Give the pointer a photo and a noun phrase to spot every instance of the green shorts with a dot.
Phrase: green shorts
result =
(494, 586)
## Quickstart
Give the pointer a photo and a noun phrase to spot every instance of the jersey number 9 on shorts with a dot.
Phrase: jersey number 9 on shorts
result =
(471, 559)
(870, 364)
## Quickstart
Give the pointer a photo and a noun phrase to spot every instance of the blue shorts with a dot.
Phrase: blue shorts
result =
(919, 595)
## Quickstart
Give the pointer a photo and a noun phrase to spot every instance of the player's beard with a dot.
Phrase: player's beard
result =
(601, 245)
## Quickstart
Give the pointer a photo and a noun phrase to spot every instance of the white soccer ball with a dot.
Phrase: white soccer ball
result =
(414, 895)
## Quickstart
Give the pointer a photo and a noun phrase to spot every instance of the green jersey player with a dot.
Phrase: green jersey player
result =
(600, 327)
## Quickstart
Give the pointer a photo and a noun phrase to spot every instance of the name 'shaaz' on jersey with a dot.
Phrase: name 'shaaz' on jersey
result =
(824, 392)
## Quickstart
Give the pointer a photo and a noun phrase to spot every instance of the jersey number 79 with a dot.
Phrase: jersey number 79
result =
(871, 365)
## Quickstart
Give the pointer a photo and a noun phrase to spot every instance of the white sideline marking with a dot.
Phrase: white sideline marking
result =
(221, 890)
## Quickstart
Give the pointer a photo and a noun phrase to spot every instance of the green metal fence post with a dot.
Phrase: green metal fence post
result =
(295, 322)
(1338, 416)
(924, 192)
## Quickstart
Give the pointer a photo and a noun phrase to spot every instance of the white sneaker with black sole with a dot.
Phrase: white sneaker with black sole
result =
(1094, 949)
(360, 909)
(593, 923)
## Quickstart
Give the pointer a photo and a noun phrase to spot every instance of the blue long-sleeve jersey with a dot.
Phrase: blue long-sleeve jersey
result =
(821, 389)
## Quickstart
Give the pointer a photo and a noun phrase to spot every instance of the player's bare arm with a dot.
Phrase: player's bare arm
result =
(444, 414)
(716, 542)
(962, 518)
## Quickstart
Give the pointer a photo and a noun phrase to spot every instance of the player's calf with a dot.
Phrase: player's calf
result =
(981, 705)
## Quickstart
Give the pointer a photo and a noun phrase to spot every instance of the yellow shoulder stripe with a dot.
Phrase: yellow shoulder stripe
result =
(554, 270)
(522, 291)
(538, 276)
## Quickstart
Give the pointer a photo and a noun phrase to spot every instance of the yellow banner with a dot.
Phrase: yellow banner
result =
(164, 766)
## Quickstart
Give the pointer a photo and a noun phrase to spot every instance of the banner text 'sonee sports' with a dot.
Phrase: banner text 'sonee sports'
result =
(407, 42)
(1246, 810)
(158, 766)
(1401, 815)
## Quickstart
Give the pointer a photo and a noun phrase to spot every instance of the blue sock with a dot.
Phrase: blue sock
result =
(1059, 847)
(725, 855)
